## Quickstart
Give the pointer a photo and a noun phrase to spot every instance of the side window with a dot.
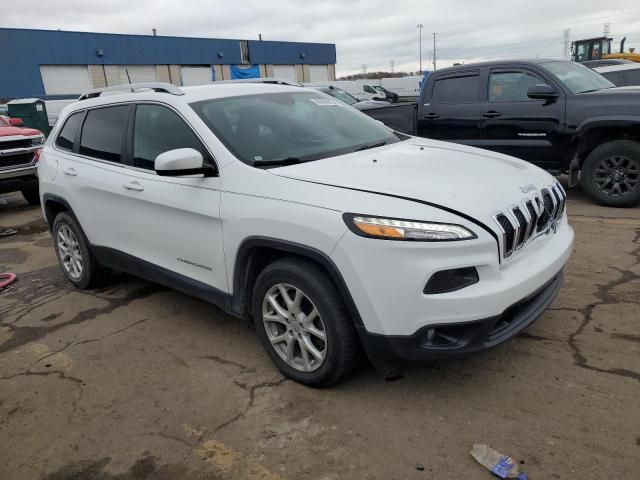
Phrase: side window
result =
(456, 89)
(616, 78)
(511, 86)
(631, 77)
(157, 130)
(368, 89)
(103, 133)
(68, 133)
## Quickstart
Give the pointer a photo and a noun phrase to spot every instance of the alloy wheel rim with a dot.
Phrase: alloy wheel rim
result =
(294, 327)
(617, 175)
(69, 252)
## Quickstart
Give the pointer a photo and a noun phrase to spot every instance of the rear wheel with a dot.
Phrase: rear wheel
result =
(303, 324)
(72, 249)
(31, 195)
(611, 174)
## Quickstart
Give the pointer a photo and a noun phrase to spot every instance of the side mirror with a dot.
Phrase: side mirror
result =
(16, 122)
(181, 162)
(542, 91)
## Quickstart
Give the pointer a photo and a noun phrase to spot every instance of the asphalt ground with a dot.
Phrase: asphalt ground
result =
(135, 381)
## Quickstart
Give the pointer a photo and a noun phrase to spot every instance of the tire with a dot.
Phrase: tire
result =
(340, 347)
(32, 196)
(611, 174)
(79, 266)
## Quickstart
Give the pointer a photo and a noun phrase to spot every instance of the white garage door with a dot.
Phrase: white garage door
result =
(196, 75)
(138, 73)
(319, 73)
(287, 72)
(65, 79)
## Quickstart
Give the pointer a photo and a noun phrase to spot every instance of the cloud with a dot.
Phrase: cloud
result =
(370, 32)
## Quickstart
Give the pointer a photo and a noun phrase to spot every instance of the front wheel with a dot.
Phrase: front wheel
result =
(611, 174)
(303, 324)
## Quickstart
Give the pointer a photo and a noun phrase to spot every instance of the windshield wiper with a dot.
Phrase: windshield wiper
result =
(367, 147)
(276, 162)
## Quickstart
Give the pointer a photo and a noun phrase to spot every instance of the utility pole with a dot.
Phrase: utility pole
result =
(420, 27)
(434, 51)
(393, 62)
(566, 43)
(364, 69)
(607, 29)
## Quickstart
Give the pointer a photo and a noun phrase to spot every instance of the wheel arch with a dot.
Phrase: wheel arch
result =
(255, 253)
(600, 130)
(53, 205)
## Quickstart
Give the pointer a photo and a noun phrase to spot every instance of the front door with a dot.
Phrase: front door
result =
(514, 124)
(172, 222)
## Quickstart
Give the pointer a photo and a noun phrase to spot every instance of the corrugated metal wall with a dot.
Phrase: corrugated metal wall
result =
(22, 51)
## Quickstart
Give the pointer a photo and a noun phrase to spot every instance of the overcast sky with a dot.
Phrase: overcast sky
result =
(370, 32)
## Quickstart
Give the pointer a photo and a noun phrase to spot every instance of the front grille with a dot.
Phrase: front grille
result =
(11, 144)
(535, 215)
(23, 159)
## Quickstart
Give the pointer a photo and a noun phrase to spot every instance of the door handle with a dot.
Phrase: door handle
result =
(491, 114)
(431, 116)
(70, 172)
(133, 186)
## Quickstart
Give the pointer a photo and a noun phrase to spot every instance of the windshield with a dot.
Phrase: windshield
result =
(577, 78)
(301, 126)
(341, 95)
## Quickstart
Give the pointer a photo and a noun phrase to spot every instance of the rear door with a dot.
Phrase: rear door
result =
(450, 109)
(92, 174)
(514, 124)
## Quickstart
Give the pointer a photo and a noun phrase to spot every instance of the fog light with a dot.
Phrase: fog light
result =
(446, 281)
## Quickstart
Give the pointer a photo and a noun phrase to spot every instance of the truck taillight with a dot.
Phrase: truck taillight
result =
(37, 154)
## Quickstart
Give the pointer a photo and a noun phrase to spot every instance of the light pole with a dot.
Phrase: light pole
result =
(419, 27)
(434, 51)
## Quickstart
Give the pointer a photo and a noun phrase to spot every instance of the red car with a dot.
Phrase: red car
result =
(19, 153)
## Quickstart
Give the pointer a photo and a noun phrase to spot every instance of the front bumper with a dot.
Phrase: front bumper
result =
(451, 341)
(27, 180)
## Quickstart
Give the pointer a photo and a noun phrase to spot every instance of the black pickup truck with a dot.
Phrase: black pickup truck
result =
(559, 115)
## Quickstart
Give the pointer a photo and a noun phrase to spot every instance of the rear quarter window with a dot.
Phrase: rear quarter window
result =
(68, 132)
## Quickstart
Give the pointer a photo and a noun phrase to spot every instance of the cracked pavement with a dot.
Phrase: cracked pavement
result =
(135, 381)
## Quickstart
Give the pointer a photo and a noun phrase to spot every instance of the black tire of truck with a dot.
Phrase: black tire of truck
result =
(31, 195)
(611, 174)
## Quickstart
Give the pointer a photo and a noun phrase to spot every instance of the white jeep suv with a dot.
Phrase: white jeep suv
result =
(328, 230)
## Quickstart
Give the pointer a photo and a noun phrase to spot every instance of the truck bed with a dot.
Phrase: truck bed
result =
(400, 116)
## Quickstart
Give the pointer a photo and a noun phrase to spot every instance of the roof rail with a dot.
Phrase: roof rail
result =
(269, 80)
(155, 86)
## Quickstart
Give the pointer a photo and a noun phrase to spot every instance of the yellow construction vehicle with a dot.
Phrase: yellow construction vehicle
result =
(599, 48)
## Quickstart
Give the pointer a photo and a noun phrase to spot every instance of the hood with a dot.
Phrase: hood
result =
(469, 180)
(616, 92)
(13, 131)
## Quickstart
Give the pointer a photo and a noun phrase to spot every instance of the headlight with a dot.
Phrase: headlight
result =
(397, 229)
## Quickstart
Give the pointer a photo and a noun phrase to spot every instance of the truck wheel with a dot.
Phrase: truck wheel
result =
(611, 174)
(72, 249)
(303, 323)
(31, 195)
